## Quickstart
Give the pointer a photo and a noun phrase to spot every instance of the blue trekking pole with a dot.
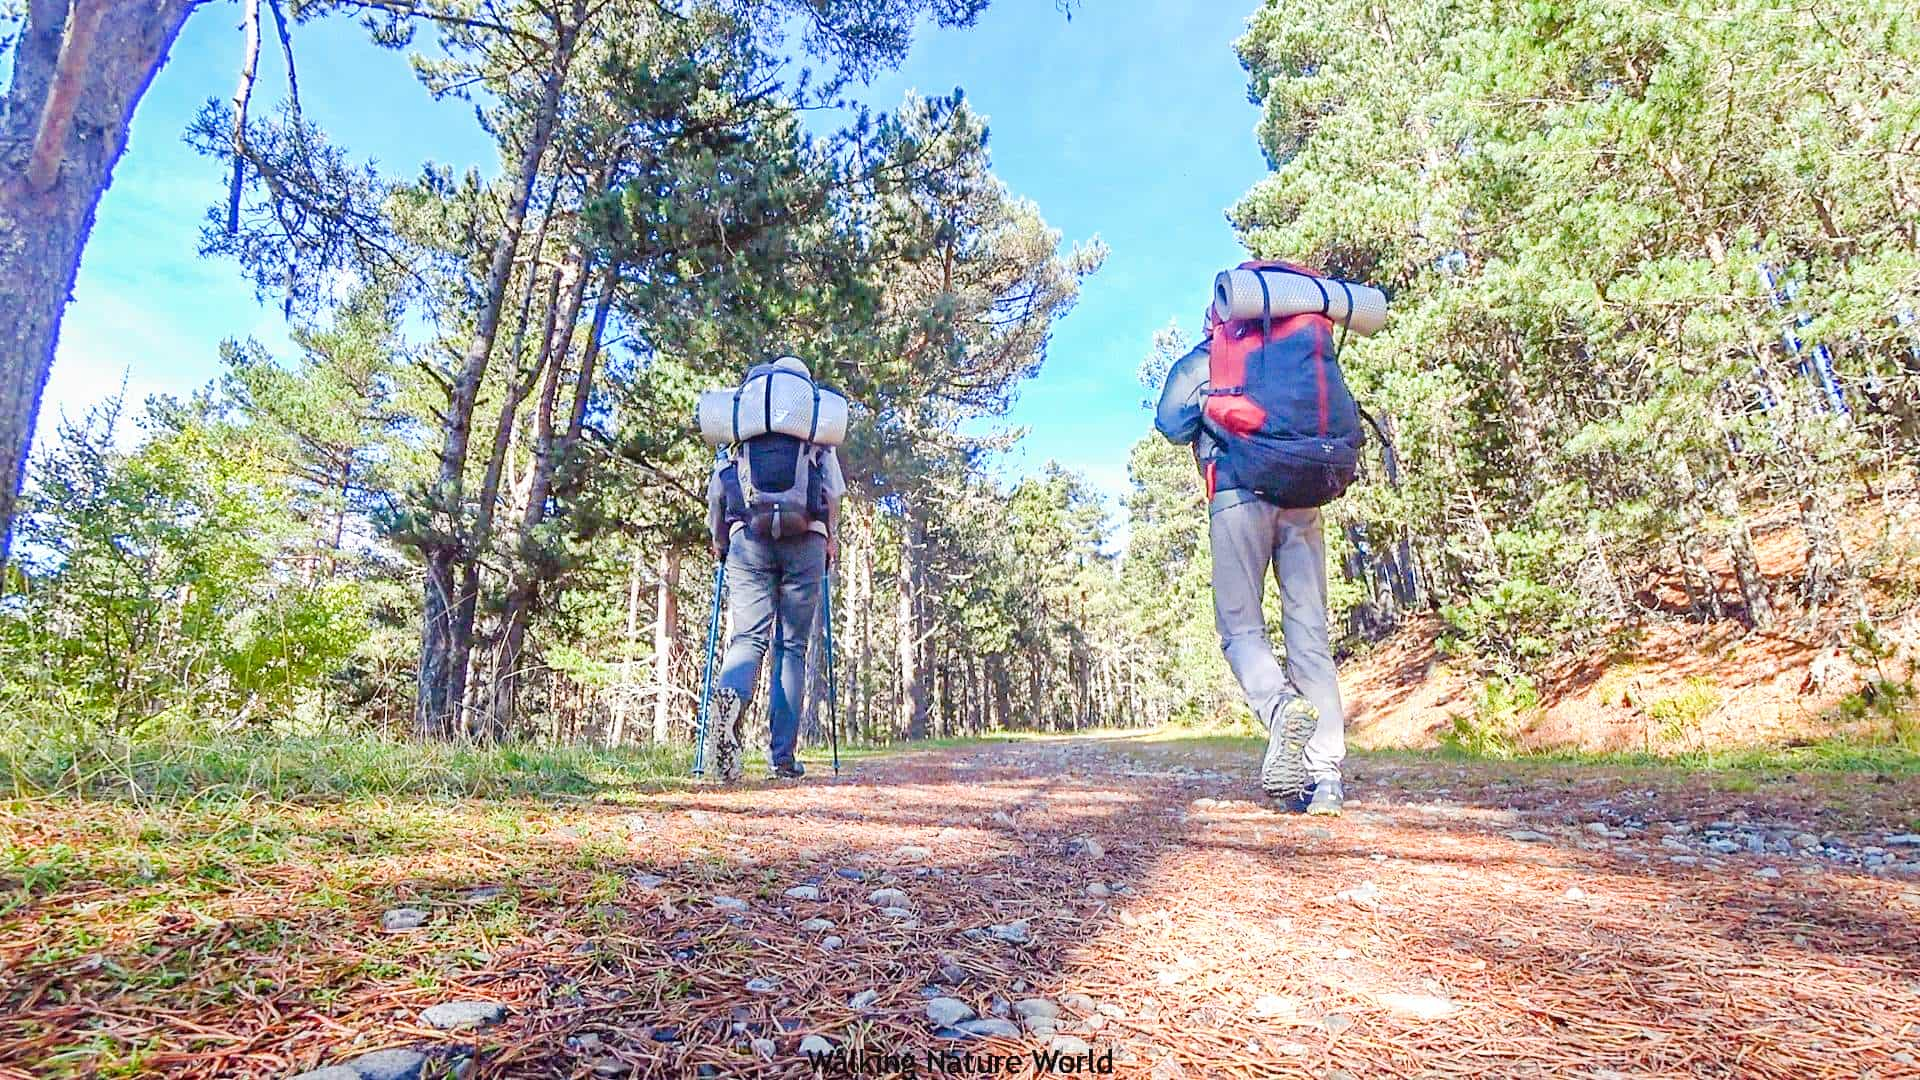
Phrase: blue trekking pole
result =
(833, 706)
(706, 689)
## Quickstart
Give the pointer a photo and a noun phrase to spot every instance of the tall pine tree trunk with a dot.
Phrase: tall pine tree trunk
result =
(666, 633)
(442, 667)
(77, 76)
(913, 672)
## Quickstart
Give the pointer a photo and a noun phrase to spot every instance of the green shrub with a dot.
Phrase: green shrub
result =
(1502, 709)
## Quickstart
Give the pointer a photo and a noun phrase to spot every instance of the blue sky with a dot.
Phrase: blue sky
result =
(1129, 122)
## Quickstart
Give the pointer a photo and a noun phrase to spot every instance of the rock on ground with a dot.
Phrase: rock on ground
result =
(403, 918)
(464, 1015)
(946, 1011)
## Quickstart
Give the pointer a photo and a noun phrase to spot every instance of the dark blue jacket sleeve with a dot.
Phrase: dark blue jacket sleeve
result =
(1182, 399)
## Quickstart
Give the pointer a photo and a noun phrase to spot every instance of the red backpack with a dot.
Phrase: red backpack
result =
(1287, 425)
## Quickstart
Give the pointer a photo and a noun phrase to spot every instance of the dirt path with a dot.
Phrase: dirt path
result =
(1458, 921)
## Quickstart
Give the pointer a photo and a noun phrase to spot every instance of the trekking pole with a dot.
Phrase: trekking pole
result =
(833, 704)
(706, 688)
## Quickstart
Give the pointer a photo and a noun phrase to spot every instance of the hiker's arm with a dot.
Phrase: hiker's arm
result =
(1178, 416)
(834, 483)
(717, 515)
(833, 531)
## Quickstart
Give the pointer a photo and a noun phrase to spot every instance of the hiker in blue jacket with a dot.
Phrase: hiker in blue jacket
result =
(1299, 703)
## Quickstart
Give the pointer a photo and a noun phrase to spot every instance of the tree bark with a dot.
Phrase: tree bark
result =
(666, 632)
(63, 126)
(440, 689)
(534, 569)
(913, 673)
(625, 706)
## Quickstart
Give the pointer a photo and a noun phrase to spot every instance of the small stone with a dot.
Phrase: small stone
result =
(1111, 1011)
(1014, 932)
(330, 1072)
(911, 853)
(464, 1015)
(1085, 847)
(1366, 894)
(1575, 892)
(1069, 1045)
(648, 881)
(1098, 891)
(1335, 1023)
(1908, 899)
(730, 903)
(1683, 860)
(483, 894)
(764, 1049)
(1294, 1049)
(1767, 873)
(952, 974)
(850, 874)
(896, 912)
(991, 1028)
(888, 898)
(1902, 840)
(1418, 1006)
(1077, 1002)
(1319, 833)
(803, 892)
(1525, 836)
(863, 999)
(389, 1065)
(665, 1034)
(817, 925)
(1004, 820)
(946, 1011)
(761, 986)
(832, 942)
(1267, 1006)
(1806, 840)
(1031, 1008)
(700, 817)
(403, 918)
(815, 1044)
(1597, 828)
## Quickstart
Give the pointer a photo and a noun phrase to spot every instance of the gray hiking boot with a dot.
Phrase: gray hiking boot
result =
(1327, 798)
(792, 770)
(723, 736)
(1283, 772)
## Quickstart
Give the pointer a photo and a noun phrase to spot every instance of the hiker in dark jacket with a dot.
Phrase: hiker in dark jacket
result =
(773, 595)
(1299, 703)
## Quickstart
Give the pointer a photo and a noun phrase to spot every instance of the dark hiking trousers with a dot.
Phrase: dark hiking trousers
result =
(773, 585)
(1248, 536)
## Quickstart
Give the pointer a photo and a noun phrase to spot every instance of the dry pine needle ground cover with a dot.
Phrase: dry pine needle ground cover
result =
(1484, 920)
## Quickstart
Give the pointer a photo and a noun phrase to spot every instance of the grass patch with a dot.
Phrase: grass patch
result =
(213, 766)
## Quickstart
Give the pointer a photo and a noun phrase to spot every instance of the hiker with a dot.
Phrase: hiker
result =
(773, 511)
(1276, 435)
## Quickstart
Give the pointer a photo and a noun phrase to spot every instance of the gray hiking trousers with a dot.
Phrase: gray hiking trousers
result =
(1247, 536)
(773, 592)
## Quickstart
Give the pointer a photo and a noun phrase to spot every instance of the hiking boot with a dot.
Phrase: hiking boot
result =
(1327, 798)
(1283, 772)
(792, 770)
(723, 736)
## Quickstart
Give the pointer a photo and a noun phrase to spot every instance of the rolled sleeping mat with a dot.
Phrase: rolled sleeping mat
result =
(1236, 295)
(773, 400)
